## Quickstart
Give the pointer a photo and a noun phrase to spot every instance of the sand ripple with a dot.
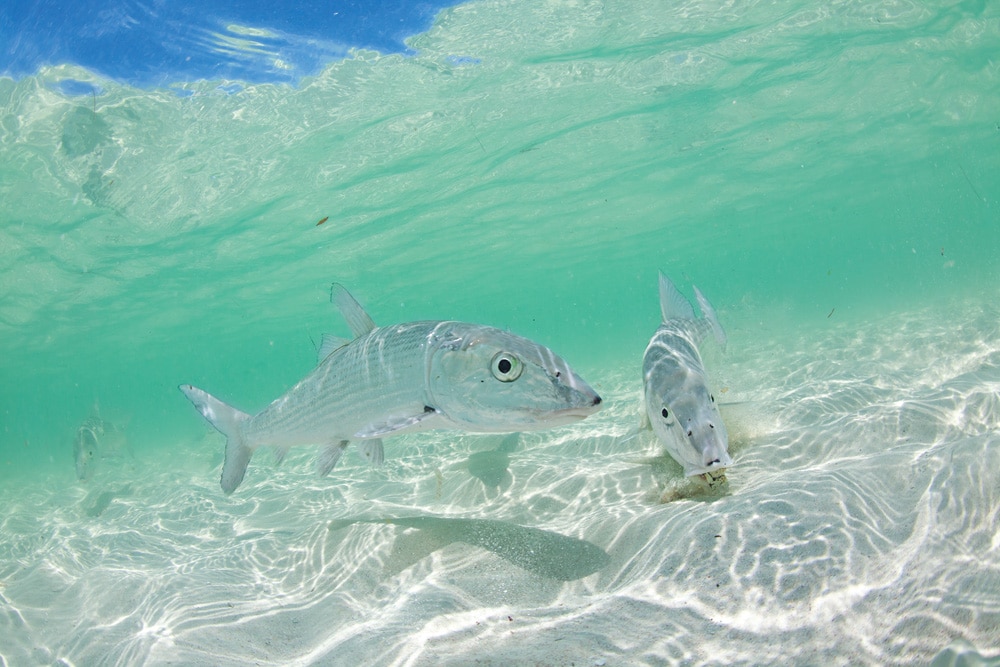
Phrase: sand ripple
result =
(859, 526)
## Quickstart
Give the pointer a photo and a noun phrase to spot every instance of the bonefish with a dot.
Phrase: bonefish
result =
(679, 406)
(400, 379)
(98, 440)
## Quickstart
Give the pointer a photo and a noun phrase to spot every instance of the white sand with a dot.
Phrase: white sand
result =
(860, 527)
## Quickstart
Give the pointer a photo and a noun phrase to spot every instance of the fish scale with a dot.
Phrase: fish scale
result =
(336, 399)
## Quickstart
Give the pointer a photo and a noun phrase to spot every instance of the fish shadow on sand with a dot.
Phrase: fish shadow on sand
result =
(97, 501)
(541, 552)
(491, 467)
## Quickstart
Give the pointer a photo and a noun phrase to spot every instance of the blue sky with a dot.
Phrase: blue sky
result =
(162, 41)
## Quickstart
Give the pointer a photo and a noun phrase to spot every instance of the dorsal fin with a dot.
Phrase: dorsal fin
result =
(357, 319)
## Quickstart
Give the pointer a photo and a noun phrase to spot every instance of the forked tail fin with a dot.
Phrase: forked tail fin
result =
(227, 420)
(673, 306)
(709, 314)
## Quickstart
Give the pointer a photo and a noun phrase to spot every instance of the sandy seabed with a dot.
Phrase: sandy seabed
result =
(860, 525)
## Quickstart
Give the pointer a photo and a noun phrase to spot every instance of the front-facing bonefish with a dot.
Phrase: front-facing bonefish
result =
(679, 405)
(399, 379)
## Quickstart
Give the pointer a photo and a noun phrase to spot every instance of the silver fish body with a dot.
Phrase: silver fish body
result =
(404, 378)
(679, 405)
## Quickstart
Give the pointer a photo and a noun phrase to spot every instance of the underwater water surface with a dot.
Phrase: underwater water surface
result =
(828, 177)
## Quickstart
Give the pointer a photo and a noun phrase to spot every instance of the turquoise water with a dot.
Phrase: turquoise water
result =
(827, 176)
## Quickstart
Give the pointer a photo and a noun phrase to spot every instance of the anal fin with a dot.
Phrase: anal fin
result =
(373, 451)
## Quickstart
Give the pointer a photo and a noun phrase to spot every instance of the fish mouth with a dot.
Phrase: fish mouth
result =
(575, 413)
(716, 470)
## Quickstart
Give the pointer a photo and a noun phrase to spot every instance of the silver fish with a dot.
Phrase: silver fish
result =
(97, 439)
(680, 407)
(400, 379)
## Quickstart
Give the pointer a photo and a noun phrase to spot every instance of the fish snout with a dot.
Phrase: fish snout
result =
(712, 444)
(588, 400)
(707, 430)
(575, 391)
(578, 402)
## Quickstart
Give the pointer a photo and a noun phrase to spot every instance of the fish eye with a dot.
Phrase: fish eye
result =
(665, 413)
(667, 417)
(712, 396)
(506, 367)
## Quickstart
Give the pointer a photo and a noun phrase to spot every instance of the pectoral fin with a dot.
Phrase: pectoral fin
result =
(398, 423)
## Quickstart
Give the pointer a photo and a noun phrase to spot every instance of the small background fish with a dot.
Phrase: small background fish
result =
(98, 440)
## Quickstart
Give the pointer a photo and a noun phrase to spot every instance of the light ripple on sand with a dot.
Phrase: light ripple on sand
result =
(859, 526)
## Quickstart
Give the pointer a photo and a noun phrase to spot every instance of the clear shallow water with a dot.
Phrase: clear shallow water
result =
(827, 177)
(860, 526)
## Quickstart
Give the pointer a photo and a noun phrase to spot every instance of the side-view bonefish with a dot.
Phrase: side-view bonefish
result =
(399, 379)
(680, 407)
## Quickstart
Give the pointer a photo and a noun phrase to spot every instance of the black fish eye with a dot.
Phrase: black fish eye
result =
(665, 413)
(712, 396)
(505, 367)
